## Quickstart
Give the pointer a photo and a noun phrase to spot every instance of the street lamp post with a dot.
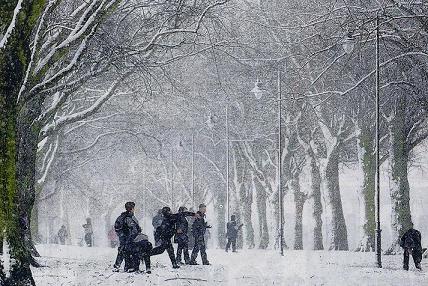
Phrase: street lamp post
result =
(172, 178)
(211, 121)
(227, 164)
(193, 170)
(348, 46)
(378, 229)
(258, 93)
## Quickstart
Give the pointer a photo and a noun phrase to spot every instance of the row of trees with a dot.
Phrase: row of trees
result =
(58, 58)
(328, 114)
(329, 111)
(50, 51)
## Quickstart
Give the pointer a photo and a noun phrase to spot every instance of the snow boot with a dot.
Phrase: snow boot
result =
(406, 268)
(132, 270)
(116, 268)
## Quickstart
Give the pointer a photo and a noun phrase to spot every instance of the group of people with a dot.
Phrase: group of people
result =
(188, 230)
(63, 234)
(134, 246)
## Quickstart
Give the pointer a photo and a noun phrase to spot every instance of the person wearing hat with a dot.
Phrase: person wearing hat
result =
(232, 233)
(199, 228)
(167, 231)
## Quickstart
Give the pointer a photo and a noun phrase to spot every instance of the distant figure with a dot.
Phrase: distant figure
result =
(112, 237)
(62, 235)
(133, 245)
(232, 233)
(157, 222)
(87, 227)
(199, 228)
(167, 231)
(411, 243)
(182, 237)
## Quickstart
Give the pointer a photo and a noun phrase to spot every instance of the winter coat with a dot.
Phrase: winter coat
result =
(127, 227)
(157, 221)
(87, 227)
(182, 224)
(232, 229)
(199, 226)
(62, 233)
(411, 240)
(168, 226)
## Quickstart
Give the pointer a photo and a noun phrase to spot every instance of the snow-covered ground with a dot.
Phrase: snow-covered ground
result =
(72, 265)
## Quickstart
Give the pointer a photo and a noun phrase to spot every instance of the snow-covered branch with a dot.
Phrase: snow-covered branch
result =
(162, 32)
(11, 27)
(58, 123)
(52, 154)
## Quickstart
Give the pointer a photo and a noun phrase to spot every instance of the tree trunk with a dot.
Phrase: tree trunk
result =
(14, 215)
(261, 210)
(367, 163)
(236, 210)
(317, 205)
(339, 235)
(247, 201)
(27, 132)
(299, 200)
(11, 223)
(220, 207)
(401, 219)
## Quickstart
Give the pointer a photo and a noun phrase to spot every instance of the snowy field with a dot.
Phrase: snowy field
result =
(72, 265)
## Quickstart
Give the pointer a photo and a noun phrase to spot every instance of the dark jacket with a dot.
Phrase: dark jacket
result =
(168, 226)
(232, 229)
(199, 226)
(129, 227)
(157, 221)
(182, 224)
(411, 240)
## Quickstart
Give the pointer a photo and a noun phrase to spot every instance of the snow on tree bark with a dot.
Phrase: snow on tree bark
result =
(261, 199)
(401, 219)
(317, 205)
(366, 162)
(339, 235)
(299, 201)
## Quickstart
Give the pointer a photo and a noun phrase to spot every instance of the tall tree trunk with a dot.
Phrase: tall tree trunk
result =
(317, 205)
(220, 207)
(12, 225)
(247, 201)
(299, 201)
(367, 163)
(14, 213)
(27, 131)
(401, 219)
(236, 209)
(261, 199)
(339, 235)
